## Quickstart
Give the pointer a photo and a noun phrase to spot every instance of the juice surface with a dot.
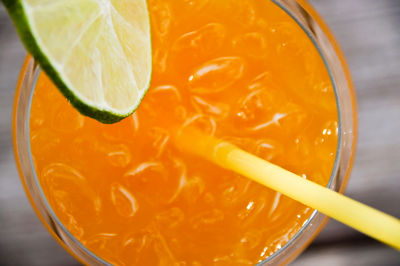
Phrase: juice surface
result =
(243, 71)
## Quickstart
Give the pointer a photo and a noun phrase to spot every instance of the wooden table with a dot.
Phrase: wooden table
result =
(369, 33)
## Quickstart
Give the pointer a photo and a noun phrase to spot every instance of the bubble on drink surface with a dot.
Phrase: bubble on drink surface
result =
(123, 200)
(119, 155)
(207, 219)
(216, 75)
(330, 129)
(218, 110)
(199, 44)
(326, 139)
(170, 218)
(203, 123)
(252, 44)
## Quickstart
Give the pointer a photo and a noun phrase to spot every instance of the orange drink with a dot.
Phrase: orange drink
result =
(243, 71)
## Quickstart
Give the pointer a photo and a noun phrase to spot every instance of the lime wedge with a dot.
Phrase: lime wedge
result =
(97, 52)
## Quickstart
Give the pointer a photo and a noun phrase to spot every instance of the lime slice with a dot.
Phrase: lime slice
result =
(97, 52)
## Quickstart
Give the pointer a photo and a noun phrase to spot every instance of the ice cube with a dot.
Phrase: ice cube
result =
(123, 200)
(201, 122)
(251, 239)
(143, 167)
(251, 44)
(159, 138)
(252, 210)
(44, 141)
(193, 47)
(123, 131)
(268, 149)
(216, 109)
(160, 56)
(207, 219)
(162, 17)
(288, 118)
(153, 182)
(66, 119)
(230, 260)
(135, 244)
(170, 218)
(160, 100)
(265, 81)
(216, 75)
(195, 5)
(119, 155)
(241, 12)
(37, 113)
(254, 109)
(234, 191)
(107, 244)
(62, 177)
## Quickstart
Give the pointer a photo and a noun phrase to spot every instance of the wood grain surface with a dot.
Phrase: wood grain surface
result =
(369, 34)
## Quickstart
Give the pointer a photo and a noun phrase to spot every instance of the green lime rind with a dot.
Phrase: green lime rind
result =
(17, 13)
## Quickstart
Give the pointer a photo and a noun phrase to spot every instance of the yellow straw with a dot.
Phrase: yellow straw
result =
(363, 218)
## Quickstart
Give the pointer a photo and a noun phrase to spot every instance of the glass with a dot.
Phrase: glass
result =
(324, 42)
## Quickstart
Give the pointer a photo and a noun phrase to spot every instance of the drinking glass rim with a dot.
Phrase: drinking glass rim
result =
(305, 225)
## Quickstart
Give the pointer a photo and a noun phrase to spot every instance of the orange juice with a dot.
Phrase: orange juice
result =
(243, 71)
